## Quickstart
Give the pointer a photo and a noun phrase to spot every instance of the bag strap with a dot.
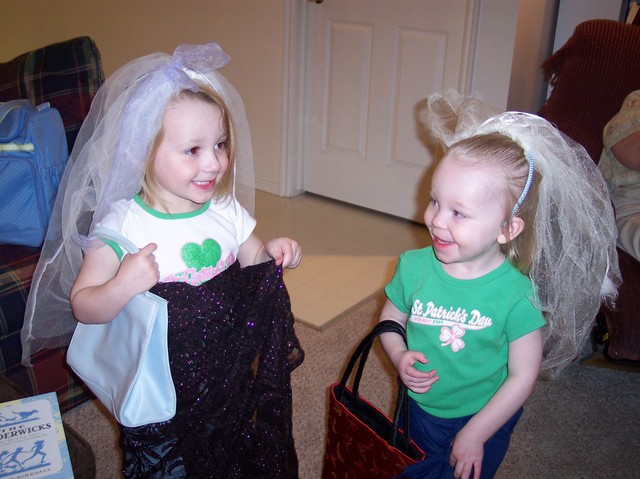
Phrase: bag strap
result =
(360, 355)
(110, 235)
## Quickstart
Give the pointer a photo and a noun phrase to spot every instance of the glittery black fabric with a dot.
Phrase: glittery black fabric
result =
(232, 348)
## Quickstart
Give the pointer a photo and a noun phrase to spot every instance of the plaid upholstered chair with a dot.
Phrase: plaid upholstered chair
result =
(591, 75)
(67, 75)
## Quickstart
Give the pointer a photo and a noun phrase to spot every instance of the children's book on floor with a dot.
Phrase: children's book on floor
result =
(32, 439)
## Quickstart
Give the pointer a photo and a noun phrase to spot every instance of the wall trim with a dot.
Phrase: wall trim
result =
(293, 74)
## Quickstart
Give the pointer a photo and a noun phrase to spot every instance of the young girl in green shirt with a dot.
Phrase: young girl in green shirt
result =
(523, 250)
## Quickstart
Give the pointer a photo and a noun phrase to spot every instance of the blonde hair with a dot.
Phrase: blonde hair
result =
(208, 96)
(507, 158)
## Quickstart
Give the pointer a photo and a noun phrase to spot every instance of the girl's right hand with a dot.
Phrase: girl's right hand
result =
(417, 381)
(139, 272)
(105, 284)
(402, 359)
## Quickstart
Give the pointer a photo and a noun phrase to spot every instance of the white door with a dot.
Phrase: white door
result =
(370, 66)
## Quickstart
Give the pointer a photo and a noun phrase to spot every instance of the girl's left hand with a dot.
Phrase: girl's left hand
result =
(285, 251)
(466, 455)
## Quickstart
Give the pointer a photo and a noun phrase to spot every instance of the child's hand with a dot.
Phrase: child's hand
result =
(139, 272)
(285, 251)
(104, 284)
(418, 381)
(466, 454)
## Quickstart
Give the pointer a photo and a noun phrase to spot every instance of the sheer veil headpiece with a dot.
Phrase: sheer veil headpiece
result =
(107, 164)
(575, 265)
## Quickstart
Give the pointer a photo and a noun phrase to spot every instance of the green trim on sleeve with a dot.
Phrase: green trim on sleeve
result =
(116, 247)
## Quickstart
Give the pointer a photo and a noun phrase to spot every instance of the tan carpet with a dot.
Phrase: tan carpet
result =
(585, 425)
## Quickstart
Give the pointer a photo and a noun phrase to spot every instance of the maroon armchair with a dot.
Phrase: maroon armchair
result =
(591, 74)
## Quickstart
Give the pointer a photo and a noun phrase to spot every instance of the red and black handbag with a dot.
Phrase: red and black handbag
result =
(363, 442)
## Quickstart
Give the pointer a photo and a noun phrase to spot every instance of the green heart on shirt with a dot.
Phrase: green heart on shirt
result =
(200, 256)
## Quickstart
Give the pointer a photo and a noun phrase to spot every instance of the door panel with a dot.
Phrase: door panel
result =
(370, 66)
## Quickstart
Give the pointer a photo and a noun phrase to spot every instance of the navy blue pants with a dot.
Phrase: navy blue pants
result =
(435, 435)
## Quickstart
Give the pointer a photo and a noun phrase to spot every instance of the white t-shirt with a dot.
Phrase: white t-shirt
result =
(192, 247)
(623, 182)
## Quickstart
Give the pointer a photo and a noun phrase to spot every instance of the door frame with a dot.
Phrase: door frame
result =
(294, 76)
(490, 65)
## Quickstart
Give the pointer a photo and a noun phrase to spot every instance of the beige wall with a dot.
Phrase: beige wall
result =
(250, 31)
(534, 42)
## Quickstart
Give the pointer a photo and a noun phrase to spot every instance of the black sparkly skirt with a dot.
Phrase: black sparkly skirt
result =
(232, 348)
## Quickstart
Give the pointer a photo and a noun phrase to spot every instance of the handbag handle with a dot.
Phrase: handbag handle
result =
(108, 234)
(360, 355)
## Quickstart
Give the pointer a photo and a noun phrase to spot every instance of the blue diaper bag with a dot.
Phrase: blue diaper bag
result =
(33, 155)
